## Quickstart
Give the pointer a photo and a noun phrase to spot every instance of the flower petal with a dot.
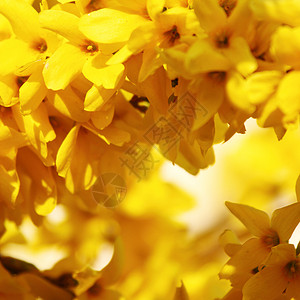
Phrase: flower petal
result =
(284, 221)
(284, 12)
(96, 97)
(23, 19)
(63, 67)
(69, 104)
(285, 45)
(205, 9)
(16, 53)
(236, 92)
(256, 221)
(240, 56)
(63, 23)
(267, 284)
(240, 267)
(203, 57)
(109, 26)
(287, 95)
(8, 90)
(155, 7)
(32, 92)
(261, 85)
(96, 70)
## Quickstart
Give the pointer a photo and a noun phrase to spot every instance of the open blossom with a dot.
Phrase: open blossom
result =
(250, 258)
(279, 277)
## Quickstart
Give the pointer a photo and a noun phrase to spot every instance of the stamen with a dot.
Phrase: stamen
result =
(172, 35)
(228, 6)
(20, 80)
(217, 76)
(90, 47)
(271, 239)
(93, 5)
(222, 40)
(292, 269)
(40, 46)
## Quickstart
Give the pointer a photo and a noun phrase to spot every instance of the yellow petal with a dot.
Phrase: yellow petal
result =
(236, 92)
(32, 92)
(114, 135)
(240, 56)
(285, 12)
(63, 23)
(16, 53)
(9, 184)
(80, 144)
(64, 154)
(266, 284)
(261, 85)
(23, 19)
(43, 195)
(192, 159)
(203, 57)
(96, 70)
(39, 130)
(103, 118)
(11, 138)
(69, 104)
(240, 267)
(120, 56)
(8, 90)
(285, 45)
(287, 95)
(96, 97)
(5, 28)
(109, 26)
(205, 9)
(230, 242)
(155, 90)
(271, 115)
(151, 62)
(142, 37)
(284, 221)
(155, 7)
(256, 221)
(206, 102)
(63, 66)
(281, 255)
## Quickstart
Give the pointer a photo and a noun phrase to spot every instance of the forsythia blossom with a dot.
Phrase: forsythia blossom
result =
(87, 84)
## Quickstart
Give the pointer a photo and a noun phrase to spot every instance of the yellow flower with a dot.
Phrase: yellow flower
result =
(224, 47)
(248, 259)
(80, 53)
(21, 74)
(166, 29)
(280, 276)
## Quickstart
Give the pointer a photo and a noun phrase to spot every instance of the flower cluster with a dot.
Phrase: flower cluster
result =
(84, 83)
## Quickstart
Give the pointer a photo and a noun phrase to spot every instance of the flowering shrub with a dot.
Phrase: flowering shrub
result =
(93, 93)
